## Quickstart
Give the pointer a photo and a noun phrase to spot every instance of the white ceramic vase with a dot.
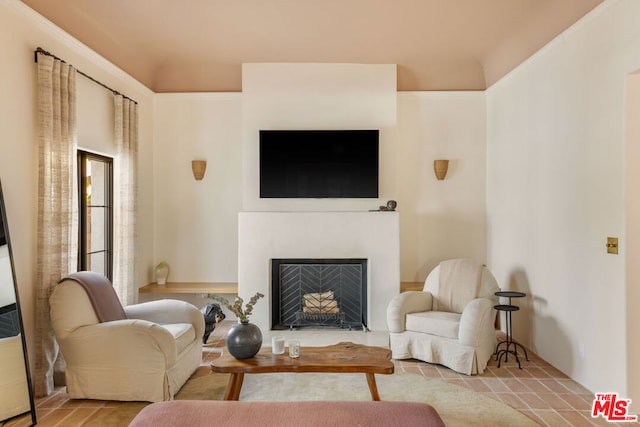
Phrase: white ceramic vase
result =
(162, 272)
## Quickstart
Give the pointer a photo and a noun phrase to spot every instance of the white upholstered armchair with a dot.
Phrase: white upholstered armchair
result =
(142, 352)
(451, 322)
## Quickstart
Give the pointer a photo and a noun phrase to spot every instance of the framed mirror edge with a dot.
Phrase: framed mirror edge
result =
(7, 237)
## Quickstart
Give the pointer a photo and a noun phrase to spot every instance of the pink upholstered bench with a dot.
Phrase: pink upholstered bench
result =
(194, 413)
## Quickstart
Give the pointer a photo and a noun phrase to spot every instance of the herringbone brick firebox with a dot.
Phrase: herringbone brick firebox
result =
(319, 293)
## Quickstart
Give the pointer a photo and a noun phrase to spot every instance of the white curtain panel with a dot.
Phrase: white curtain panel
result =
(57, 203)
(125, 197)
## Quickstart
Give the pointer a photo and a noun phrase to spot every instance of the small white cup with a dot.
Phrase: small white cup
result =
(277, 345)
(294, 348)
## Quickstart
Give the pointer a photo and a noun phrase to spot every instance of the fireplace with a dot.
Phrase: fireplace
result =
(374, 236)
(319, 293)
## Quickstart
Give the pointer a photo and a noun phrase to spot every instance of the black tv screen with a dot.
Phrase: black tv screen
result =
(319, 163)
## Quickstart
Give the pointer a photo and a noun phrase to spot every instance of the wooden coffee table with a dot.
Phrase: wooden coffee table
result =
(345, 357)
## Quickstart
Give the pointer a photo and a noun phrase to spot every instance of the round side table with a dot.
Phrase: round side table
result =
(510, 346)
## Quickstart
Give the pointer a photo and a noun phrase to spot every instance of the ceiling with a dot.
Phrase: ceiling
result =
(200, 45)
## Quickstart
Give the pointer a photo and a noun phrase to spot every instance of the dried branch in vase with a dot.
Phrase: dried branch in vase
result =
(236, 308)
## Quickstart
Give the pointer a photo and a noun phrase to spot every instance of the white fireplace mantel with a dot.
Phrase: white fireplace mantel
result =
(375, 236)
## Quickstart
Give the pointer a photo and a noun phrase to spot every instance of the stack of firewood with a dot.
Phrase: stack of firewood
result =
(320, 303)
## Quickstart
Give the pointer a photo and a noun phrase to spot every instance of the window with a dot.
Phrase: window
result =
(95, 242)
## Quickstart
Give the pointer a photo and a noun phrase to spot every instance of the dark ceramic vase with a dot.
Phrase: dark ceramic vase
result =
(244, 340)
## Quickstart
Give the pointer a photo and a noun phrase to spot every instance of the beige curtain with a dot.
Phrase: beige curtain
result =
(125, 196)
(57, 238)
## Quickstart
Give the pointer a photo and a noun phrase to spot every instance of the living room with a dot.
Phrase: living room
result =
(540, 175)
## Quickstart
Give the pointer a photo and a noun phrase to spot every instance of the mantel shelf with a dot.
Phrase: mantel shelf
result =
(190, 288)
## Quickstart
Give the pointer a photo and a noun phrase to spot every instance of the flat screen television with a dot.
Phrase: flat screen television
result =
(319, 163)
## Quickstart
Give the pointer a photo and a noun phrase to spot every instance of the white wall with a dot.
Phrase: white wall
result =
(632, 177)
(196, 222)
(555, 143)
(440, 219)
(21, 32)
(95, 107)
(317, 96)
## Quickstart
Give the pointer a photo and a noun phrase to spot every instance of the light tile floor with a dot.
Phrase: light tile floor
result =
(539, 390)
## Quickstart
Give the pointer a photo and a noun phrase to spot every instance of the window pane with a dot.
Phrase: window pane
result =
(95, 229)
(97, 262)
(96, 173)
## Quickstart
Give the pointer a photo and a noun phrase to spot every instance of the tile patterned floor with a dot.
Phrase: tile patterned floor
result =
(539, 390)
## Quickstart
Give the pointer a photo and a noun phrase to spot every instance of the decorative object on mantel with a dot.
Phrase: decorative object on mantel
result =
(389, 207)
(440, 167)
(244, 339)
(162, 272)
(198, 167)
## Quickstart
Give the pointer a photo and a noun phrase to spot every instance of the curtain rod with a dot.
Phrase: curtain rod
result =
(115, 92)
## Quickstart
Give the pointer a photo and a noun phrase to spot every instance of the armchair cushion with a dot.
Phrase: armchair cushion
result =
(167, 311)
(182, 333)
(438, 323)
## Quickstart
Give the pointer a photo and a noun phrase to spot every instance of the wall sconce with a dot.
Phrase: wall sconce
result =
(198, 167)
(440, 167)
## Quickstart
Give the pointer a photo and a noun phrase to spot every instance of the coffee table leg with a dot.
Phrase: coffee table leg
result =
(373, 388)
(233, 387)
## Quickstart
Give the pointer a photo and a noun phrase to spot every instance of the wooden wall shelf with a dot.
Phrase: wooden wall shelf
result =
(226, 288)
(411, 286)
(190, 288)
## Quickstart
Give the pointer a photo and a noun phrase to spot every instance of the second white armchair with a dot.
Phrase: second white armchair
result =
(451, 322)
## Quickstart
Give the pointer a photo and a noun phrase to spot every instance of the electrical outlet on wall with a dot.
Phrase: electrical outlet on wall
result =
(581, 350)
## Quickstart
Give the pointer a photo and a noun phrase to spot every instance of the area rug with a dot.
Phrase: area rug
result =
(458, 406)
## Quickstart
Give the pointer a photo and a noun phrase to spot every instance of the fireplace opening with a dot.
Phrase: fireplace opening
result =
(319, 293)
